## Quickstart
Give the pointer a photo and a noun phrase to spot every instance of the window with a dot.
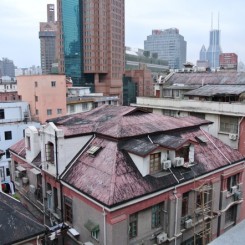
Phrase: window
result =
(156, 216)
(167, 93)
(37, 112)
(72, 108)
(133, 223)
(185, 199)
(55, 198)
(53, 83)
(2, 116)
(59, 111)
(7, 172)
(229, 124)
(7, 153)
(49, 149)
(85, 106)
(68, 209)
(49, 112)
(36, 98)
(95, 234)
(36, 84)
(28, 142)
(232, 181)
(230, 215)
(197, 114)
(8, 135)
(155, 162)
(183, 152)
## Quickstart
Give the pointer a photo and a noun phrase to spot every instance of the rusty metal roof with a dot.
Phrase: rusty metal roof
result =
(212, 90)
(121, 122)
(211, 78)
(112, 178)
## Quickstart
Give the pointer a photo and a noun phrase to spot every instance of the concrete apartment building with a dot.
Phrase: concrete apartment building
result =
(8, 89)
(121, 175)
(215, 96)
(7, 67)
(80, 99)
(48, 40)
(169, 45)
(14, 119)
(91, 44)
(46, 95)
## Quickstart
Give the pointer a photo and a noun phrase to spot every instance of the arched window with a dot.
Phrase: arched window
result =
(49, 149)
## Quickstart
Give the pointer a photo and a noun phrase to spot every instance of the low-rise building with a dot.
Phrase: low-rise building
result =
(215, 96)
(14, 119)
(121, 175)
(46, 95)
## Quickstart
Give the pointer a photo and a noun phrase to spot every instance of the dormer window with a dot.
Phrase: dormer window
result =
(183, 152)
(49, 149)
(155, 162)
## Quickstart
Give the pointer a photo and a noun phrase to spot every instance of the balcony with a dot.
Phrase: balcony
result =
(210, 107)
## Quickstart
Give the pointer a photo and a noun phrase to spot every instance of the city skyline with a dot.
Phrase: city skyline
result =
(19, 25)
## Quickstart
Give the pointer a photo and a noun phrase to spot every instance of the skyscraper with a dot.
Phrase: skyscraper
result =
(7, 68)
(92, 43)
(169, 45)
(214, 49)
(202, 56)
(47, 36)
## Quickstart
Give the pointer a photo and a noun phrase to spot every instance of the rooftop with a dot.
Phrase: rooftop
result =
(17, 223)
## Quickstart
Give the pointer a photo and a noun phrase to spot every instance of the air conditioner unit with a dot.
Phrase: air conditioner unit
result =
(45, 165)
(233, 189)
(237, 195)
(178, 161)
(188, 223)
(32, 188)
(232, 136)
(17, 174)
(166, 164)
(162, 237)
(25, 180)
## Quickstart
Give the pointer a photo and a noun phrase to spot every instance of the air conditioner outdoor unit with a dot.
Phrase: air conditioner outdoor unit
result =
(232, 136)
(32, 188)
(162, 237)
(17, 174)
(25, 180)
(233, 189)
(188, 223)
(166, 164)
(178, 161)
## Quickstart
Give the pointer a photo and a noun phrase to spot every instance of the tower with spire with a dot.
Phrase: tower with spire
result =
(214, 49)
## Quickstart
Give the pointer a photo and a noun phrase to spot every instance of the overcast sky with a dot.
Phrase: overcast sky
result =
(19, 25)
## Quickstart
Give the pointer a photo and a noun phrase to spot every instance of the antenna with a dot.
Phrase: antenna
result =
(218, 20)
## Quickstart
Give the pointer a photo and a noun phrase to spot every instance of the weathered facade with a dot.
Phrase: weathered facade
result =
(215, 96)
(120, 175)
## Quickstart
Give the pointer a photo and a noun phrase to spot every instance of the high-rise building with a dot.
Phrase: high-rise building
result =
(169, 45)
(7, 68)
(214, 49)
(92, 43)
(203, 52)
(47, 36)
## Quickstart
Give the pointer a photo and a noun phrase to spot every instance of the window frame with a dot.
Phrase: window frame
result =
(8, 135)
(2, 114)
(133, 225)
(53, 84)
(156, 216)
(68, 215)
(49, 112)
(228, 124)
(185, 204)
(155, 162)
(231, 181)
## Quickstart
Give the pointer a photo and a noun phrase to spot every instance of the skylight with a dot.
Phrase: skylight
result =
(93, 150)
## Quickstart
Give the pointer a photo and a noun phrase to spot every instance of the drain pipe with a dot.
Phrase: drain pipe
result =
(239, 131)
(104, 216)
(176, 215)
